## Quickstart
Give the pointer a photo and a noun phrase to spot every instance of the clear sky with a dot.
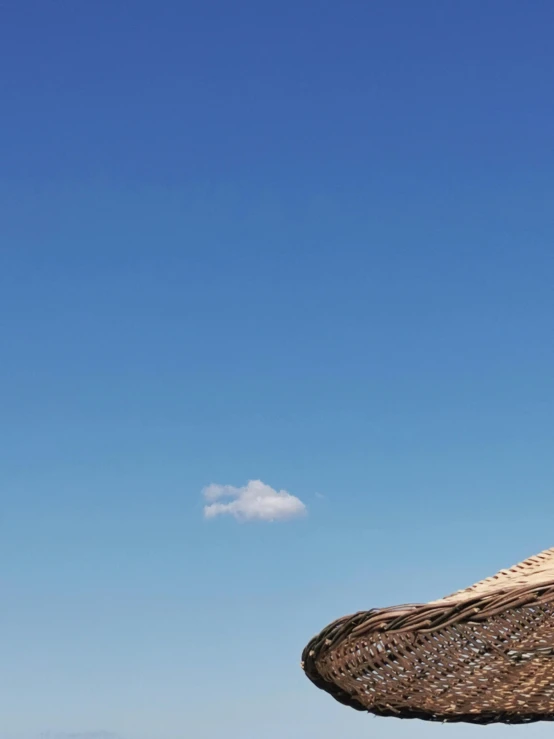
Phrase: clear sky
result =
(304, 243)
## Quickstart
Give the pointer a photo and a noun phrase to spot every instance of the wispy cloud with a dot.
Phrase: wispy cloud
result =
(79, 735)
(255, 501)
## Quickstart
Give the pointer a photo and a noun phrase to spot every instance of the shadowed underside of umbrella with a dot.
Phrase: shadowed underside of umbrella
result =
(482, 655)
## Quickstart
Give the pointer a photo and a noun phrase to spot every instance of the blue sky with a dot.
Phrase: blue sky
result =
(306, 243)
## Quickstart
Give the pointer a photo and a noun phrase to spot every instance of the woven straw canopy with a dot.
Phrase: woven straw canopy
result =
(482, 655)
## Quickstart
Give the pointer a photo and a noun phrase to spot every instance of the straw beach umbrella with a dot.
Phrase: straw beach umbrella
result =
(482, 655)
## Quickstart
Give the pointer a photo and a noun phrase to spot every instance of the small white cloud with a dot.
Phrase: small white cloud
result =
(255, 501)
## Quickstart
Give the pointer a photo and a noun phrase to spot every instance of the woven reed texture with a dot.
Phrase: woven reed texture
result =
(481, 655)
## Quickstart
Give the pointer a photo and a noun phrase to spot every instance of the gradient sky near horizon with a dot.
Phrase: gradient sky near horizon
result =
(304, 243)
